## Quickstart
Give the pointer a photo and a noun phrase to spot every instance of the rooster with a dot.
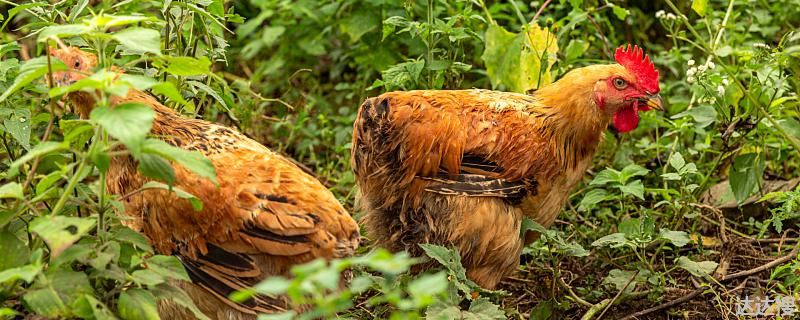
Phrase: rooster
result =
(462, 168)
(265, 216)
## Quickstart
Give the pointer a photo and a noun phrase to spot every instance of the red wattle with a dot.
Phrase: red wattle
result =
(627, 118)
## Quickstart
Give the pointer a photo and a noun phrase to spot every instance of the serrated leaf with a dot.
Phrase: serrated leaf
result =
(167, 266)
(635, 188)
(613, 240)
(606, 176)
(37, 151)
(677, 161)
(32, 69)
(592, 198)
(18, 124)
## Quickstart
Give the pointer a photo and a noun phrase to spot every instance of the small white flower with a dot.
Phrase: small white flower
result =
(691, 71)
(660, 14)
(690, 79)
(701, 69)
(721, 90)
(671, 16)
(690, 62)
(725, 82)
(759, 45)
(711, 65)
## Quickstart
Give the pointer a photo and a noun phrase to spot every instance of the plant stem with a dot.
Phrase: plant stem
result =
(73, 181)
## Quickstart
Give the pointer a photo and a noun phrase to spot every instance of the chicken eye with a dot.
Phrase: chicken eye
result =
(620, 84)
(77, 63)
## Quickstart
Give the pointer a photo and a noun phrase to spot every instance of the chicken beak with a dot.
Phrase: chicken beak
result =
(653, 101)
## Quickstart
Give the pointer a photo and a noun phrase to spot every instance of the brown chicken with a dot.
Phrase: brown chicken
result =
(463, 168)
(265, 216)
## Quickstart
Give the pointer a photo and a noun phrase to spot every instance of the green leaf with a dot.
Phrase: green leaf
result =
(614, 240)
(519, 62)
(424, 288)
(88, 307)
(18, 124)
(32, 69)
(170, 91)
(105, 21)
(62, 31)
(635, 188)
(137, 304)
(60, 232)
(745, 175)
(606, 176)
(39, 150)
(360, 23)
(703, 115)
(618, 278)
(620, 12)
(483, 309)
(139, 40)
(26, 273)
(592, 198)
(125, 234)
(698, 269)
(187, 66)
(677, 161)
(700, 6)
(168, 266)
(155, 167)
(13, 251)
(271, 34)
(192, 160)
(197, 204)
(632, 170)
(128, 122)
(147, 277)
(60, 290)
(11, 190)
(677, 238)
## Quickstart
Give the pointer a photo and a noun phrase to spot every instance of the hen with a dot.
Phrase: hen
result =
(463, 168)
(265, 216)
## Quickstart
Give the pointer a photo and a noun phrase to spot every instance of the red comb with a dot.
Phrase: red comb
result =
(640, 66)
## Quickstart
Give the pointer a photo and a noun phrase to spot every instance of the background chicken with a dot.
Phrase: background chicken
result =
(463, 168)
(266, 215)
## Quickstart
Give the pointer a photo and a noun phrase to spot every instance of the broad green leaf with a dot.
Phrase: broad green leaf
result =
(606, 176)
(530, 225)
(26, 273)
(55, 295)
(698, 269)
(192, 160)
(18, 124)
(614, 240)
(45, 302)
(632, 170)
(451, 260)
(156, 167)
(273, 286)
(187, 66)
(575, 49)
(32, 69)
(11, 190)
(170, 91)
(137, 304)
(196, 203)
(592, 198)
(521, 61)
(60, 232)
(39, 150)
(618, 278)
(703, 115)
(128, 122)
(167, 266)
(671, 176)
(105, 21)
(139, 40)
(125, 234)
(483, 309)
(424, 288)
(360, 23)
(635, 188)
(620, 12)
(63, 31)
(147, 277)
(700, 6)
(745, 175)
(271, 34)
(13, 251)
(213, 93)
(677, 161)
(677, 238)
(88, 307)
(17, 9)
